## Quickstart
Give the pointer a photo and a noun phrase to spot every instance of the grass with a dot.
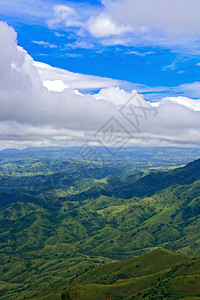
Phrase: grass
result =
(159, 274)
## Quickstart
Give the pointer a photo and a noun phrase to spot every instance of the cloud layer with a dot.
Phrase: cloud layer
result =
(34, 113)
(168, 23)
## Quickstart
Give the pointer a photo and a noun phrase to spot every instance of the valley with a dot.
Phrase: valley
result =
(62, 220)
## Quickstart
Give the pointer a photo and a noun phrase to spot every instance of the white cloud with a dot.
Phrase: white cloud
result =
(59, 34)
(79, 44)
(31, 11)
(174, 24)
(74, 80)
(30, 114)
(45, 44)
(64, 15)
(170, 67)
(114, 94)
(171, 20)
(187, 102)
(103, 26)
(55, 85)
(113, 41)
(189, 89)
(139, 53)
(73, 55)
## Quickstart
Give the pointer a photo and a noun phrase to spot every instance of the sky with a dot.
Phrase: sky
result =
(67, 66)
(148, 42)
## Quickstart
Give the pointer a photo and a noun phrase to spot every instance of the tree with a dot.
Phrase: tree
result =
(72, 292)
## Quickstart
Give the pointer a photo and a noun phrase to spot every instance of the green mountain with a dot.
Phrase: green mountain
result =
(158, 181)
(56, 226)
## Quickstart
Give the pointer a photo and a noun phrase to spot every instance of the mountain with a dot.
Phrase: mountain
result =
(158, 181)
(55, 226)
(138, 185)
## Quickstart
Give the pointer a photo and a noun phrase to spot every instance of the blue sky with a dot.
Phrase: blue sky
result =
(151, 63)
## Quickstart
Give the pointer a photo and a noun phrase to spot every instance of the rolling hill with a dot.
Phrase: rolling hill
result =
(51, 233)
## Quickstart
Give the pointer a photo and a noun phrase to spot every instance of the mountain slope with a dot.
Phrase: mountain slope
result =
(155, 182)
(159, 274)
(91, 223)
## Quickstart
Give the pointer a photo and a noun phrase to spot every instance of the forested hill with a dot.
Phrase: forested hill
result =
(55, 226)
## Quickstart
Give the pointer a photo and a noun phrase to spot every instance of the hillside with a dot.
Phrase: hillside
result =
(55, 226)
(154, 183)
(159, 274)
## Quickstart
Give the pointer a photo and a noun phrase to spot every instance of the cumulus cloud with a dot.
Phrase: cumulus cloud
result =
(103, 26)
(154, 21)
(55, 85)
(167, 23)
(175, 18)
(184, 101)
(74, 80)
(114, 94)
(42, 106)
(24, 99)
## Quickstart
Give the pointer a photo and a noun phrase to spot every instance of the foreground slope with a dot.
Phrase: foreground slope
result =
(159, 274)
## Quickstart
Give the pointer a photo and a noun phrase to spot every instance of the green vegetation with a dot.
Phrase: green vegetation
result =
(72, 292)
(62, 220)
(159, 274)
